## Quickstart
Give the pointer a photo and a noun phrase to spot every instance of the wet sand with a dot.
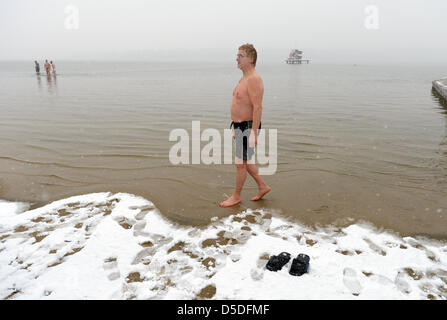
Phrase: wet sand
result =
(190, 195)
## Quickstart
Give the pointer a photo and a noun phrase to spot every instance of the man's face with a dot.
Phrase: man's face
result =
(242, 59)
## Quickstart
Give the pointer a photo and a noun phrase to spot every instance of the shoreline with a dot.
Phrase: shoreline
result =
(18, 207)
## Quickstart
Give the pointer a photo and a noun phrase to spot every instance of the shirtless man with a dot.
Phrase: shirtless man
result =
(246, 112)
(47, 67)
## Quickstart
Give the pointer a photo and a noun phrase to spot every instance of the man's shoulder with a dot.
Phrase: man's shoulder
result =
(254, 78)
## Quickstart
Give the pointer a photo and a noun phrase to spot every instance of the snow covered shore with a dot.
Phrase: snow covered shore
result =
(119, 246)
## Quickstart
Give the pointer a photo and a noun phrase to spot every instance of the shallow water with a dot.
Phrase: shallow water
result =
(354, 142)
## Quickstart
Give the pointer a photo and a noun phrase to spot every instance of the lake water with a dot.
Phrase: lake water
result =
(355, 143)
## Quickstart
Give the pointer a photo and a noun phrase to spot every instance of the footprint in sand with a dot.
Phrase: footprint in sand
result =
(351, 282)
(144, 210)
(111, 268)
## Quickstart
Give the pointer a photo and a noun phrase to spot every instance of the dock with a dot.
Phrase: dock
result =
(440, 87)
(297, 61)
(295, 57)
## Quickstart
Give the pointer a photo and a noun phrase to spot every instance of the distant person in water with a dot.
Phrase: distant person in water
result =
(36, 64)
(53, 66)
(246, 111)
(47, 67)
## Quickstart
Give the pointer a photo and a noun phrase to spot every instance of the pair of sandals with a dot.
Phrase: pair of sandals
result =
(300, 264)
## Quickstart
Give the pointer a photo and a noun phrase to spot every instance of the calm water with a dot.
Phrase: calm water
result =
(354, 142)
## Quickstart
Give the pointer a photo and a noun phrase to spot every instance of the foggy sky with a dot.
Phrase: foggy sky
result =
(209, 30)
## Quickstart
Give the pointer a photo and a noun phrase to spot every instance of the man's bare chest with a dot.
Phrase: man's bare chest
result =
(240, 92)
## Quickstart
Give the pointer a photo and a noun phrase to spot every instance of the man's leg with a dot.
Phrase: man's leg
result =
(262, 186)
(241, 175)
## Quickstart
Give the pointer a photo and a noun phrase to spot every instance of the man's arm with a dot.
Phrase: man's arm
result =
(255, 93)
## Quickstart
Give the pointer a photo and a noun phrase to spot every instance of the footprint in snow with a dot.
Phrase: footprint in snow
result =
(111, 268)
(351, 282)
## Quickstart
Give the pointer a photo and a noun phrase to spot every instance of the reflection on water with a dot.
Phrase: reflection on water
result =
(39, 82)
(52, 83)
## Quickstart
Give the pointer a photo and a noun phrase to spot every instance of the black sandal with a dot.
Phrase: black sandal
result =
(275, 263)
(300, 265)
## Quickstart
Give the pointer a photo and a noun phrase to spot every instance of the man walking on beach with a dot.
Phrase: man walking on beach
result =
(246, 112)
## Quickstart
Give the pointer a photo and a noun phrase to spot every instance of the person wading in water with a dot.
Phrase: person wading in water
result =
(246, 112)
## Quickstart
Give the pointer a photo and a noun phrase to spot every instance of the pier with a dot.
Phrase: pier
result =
(297, 61)
(295, 57)
(440, 87)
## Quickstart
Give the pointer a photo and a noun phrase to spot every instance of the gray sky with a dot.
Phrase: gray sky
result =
(326, 30)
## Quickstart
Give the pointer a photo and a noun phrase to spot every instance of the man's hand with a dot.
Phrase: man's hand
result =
(253, 139)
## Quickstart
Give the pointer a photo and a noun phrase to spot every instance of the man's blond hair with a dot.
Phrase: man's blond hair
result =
(250, 51)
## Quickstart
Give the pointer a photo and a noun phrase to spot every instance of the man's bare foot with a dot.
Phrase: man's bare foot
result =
(262, 192)
(231, 201)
